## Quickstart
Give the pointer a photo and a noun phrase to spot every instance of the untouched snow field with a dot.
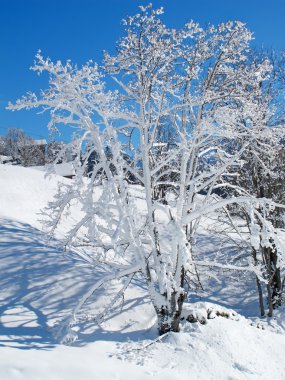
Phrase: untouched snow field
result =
(39, 285)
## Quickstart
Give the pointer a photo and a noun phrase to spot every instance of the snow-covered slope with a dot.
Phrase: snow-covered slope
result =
(25, 192)
(39, 286)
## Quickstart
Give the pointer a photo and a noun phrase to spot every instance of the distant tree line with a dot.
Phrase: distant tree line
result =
(21, 149)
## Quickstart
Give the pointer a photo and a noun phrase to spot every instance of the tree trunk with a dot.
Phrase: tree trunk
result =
(169, 317)
(259, 288)
(260, 297)
(276, 283)
(274, 286)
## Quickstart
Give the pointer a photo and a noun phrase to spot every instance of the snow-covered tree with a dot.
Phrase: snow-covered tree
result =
(196, 82)
(22, 148)
(54, 152)
(261, 175)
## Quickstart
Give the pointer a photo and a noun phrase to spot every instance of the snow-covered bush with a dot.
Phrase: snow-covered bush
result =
(197, 83)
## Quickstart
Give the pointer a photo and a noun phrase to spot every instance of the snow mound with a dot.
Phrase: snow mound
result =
(228, 346)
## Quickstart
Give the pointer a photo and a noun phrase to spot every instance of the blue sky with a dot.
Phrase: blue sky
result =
(81, 29)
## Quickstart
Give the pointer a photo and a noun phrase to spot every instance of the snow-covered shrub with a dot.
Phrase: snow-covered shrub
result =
(194, 80)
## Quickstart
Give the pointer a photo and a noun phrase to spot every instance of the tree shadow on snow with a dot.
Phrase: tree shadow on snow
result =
(232, 289)
(39, 285)
(134, 321)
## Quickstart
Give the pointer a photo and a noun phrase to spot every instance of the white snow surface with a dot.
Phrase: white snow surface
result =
(24, 192)
(39, 286)
(65, 169)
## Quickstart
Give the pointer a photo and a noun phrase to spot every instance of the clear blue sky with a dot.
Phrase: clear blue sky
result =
(81, 29)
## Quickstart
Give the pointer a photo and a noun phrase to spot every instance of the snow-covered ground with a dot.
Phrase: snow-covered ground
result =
(39, 285)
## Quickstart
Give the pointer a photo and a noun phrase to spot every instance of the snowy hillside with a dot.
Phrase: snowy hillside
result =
(24, 192)
(40, 285)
